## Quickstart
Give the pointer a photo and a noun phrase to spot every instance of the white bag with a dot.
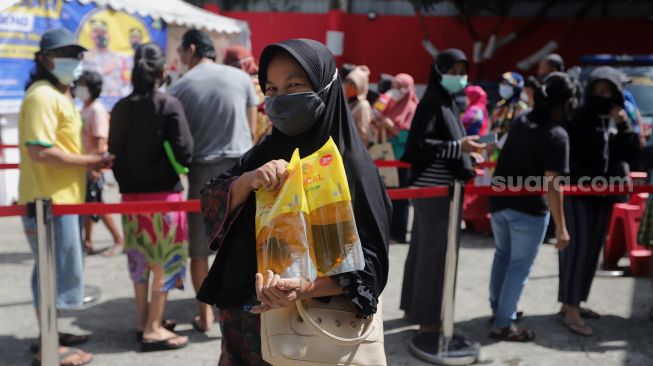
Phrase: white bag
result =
(313, 333)
(384, 151)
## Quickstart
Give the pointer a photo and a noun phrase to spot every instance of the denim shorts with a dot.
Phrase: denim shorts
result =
(68, 258)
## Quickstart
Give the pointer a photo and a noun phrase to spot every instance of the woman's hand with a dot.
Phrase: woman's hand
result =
(274, 292)
(562, 238)
(476, 158)
(469, 144)
(270, 176)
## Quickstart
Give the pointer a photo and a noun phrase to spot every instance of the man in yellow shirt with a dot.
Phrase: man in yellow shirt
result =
(52, 166)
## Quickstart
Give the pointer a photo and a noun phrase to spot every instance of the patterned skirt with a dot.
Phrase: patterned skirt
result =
(156, 243)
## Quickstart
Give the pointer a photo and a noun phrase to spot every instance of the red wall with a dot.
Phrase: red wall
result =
(392, 44)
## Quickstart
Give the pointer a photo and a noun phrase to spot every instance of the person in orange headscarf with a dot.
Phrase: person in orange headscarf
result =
(242, 58)
(476, 118)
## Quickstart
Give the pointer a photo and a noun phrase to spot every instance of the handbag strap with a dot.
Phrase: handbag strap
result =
(332, 337)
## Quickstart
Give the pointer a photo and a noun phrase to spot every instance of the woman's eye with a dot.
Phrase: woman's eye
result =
(292, 85)
(270, 88)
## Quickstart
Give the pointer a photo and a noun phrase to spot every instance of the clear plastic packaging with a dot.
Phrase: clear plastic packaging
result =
(335, 244)
(283, 229)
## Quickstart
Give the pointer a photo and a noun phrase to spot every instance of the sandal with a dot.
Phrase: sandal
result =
(583, 329)
(65, 340)
(650, 314)
(513, 334)
(585, 313)
(197, 326)
(163, 345)
(116, 249)
(169, 324)
(63, 356)
(520, 317)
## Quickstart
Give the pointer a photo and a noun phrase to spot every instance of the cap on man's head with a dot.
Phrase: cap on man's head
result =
(59, 38)
(556, 62)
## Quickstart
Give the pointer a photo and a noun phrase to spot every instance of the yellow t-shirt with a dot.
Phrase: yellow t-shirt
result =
(49, 118)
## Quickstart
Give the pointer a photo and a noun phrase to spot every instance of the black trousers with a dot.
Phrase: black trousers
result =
(587, 222)
(421, 295)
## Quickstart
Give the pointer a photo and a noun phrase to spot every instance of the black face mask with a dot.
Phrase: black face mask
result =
(601, 105)
(294, 114)
(102, 41)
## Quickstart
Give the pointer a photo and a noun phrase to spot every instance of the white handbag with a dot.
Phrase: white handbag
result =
(313, 333)
(384, 151)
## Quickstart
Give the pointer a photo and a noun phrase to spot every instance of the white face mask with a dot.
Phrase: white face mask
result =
(82, 93)
(396, 94)
(66, 70)
(506, 91)
(183, 68)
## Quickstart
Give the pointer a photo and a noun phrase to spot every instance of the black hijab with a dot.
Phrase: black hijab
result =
(437, 118)
(372, 207)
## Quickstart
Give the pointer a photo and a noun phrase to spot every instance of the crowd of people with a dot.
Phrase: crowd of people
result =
(232, 128)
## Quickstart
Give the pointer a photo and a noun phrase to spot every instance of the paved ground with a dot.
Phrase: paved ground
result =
(623, 337)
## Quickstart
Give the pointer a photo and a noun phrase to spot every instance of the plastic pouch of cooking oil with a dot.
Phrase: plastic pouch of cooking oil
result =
(282, 227)
(335, 244)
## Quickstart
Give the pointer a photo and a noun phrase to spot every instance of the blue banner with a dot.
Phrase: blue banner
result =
(110, 36)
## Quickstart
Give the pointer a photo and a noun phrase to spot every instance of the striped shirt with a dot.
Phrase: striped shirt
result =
(438, 174)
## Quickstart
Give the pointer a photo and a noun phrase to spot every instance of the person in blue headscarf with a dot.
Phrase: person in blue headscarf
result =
(509, 107)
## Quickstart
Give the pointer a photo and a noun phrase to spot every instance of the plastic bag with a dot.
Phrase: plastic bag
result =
(282, 228)
(335, 245)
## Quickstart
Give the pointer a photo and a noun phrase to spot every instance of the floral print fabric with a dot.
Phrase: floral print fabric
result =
(156, 243)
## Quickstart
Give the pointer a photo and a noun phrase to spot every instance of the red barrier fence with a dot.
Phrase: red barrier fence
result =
(395, 194)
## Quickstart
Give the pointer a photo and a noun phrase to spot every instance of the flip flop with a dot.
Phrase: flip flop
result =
(650, 315)
(114, 250)
(585, 313)
(197, 326)
(580, 329)
(65, 340)
(169, 324)
(163, 345)
(71, 351)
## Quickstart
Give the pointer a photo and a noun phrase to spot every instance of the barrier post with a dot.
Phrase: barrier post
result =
(47, 283)
(448, 352)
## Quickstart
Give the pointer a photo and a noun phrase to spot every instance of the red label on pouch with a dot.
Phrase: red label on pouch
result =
(326, 160)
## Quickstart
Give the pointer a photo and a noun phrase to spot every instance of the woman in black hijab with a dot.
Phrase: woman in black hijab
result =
(439, 153)
(306, 104)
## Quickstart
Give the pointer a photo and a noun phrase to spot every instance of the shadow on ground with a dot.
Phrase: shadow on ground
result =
(16, 258)
(611, 333)
(117, 335)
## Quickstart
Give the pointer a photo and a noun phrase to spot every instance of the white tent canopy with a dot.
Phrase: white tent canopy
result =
(175, 12)
(4, 4)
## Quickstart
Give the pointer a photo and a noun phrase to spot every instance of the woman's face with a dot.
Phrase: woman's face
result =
(286, 76)
(603, 89)
(459, 68)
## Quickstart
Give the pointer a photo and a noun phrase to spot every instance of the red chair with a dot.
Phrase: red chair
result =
(622, 237)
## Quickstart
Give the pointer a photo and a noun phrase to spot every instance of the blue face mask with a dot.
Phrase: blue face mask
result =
(66, 70)
(293, 114)
(453, 83)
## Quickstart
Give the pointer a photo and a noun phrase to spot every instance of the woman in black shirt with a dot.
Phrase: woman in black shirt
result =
(601, 145)
(536, 152)
(156, 244)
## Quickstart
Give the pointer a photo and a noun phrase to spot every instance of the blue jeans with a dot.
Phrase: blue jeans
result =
(517, 238)
(68, 258)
